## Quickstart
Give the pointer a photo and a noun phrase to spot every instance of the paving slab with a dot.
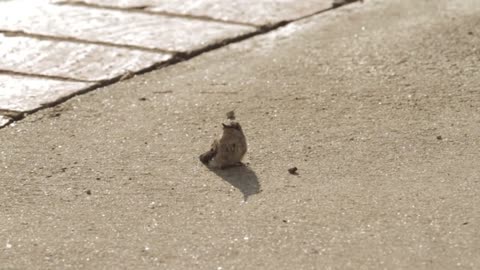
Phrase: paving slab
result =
(115, 27)
(25, 93)
(72, 60)
(376, 104)
(258, 12)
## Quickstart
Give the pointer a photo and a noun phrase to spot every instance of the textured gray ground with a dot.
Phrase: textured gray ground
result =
(377, 104)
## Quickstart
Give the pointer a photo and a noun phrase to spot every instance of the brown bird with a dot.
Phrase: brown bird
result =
(229, 150)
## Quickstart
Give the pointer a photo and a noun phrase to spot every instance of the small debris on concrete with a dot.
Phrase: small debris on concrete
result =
(470, 33)
(54, 114)
(231, 115)
(142, 99)
(151, 205)
(439, 138)
(127, 75)
(293, 170)
(88, 191)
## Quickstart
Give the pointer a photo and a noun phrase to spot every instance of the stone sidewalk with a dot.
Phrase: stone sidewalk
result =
(51, 51)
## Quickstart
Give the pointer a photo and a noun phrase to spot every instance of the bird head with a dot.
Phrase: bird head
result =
(232, 125)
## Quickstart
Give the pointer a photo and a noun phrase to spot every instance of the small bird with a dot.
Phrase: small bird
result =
(229, 150)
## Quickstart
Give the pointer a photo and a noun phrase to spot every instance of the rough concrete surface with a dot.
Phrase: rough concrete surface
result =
(376, 104)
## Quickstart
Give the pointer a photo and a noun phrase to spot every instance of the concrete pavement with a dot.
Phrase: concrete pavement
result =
(377, 104)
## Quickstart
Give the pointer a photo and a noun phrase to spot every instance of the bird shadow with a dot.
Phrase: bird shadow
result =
(242, 178)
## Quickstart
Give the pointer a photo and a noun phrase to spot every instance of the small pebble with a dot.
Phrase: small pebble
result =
(293, 170)
(439, 137)
(127, 75)
(88, 191)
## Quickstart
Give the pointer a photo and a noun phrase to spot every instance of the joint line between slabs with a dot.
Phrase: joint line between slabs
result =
(43, 76)
(17, 33)
(143, 9)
